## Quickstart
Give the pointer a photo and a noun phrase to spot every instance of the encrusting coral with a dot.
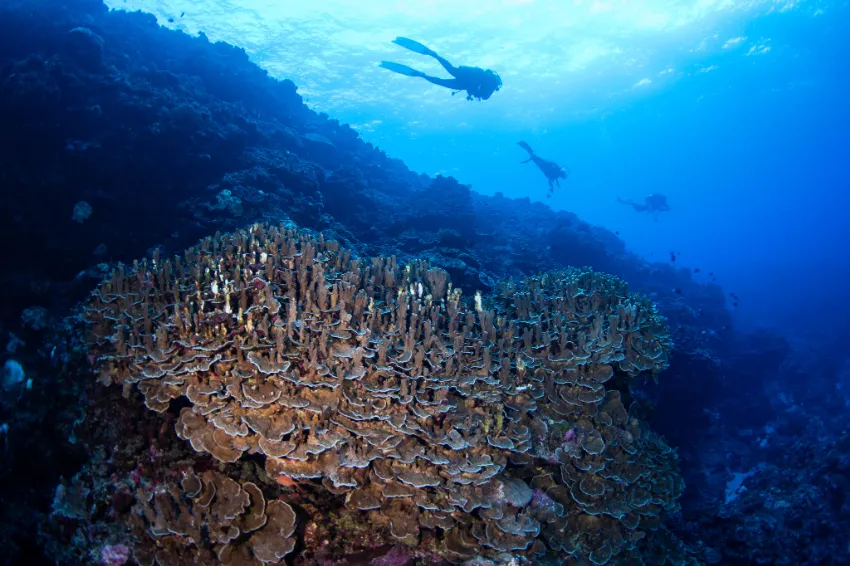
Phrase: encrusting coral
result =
(485, 419)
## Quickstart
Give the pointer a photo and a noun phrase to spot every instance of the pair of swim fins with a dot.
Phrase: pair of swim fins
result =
(412, 45)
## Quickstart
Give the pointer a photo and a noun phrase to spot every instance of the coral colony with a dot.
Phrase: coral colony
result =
(495, 423)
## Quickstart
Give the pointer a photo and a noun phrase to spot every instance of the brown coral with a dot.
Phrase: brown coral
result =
(425, 410)
(211, 519)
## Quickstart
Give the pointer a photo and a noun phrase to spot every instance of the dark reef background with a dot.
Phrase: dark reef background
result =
(118, 137)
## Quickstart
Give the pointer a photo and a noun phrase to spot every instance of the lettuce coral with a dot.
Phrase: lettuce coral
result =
(211, 519)
(422, 409)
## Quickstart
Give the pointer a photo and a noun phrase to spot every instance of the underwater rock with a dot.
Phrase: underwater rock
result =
(82, 210)
(12, 376)
(85, 47)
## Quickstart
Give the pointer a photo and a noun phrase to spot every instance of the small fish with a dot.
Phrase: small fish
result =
(672, 256)
(696, 270)
(677, 291)
(735, 304)
(617, 233)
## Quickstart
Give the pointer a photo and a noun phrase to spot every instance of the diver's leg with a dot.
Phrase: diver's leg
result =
(423, 50)
(413, 45)
(634, 205)
(453, 84)
(401, 69)
(453, 71)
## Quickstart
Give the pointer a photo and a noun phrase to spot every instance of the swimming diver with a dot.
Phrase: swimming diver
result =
(552, 170)
(653, 203)
(478, 83)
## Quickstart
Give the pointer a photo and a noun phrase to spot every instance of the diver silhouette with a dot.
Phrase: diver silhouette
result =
(478, 83)
(552, 170)
(656, 203)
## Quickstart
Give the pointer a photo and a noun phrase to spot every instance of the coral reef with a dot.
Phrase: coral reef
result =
(424, 410)
(211, 519)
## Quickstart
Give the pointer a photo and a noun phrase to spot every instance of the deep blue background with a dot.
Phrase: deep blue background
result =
(753, 157)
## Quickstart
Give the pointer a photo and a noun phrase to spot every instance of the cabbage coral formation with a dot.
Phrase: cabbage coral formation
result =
(212, 519)
(487, 420)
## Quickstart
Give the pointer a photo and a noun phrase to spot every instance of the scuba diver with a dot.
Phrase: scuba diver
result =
(552, 170)
(478, 83)
(653, 203)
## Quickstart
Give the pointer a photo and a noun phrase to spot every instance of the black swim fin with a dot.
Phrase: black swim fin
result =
(527, 148)
(414, 46)
(401, 69)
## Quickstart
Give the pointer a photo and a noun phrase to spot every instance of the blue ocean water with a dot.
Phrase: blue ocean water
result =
(734, 110)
